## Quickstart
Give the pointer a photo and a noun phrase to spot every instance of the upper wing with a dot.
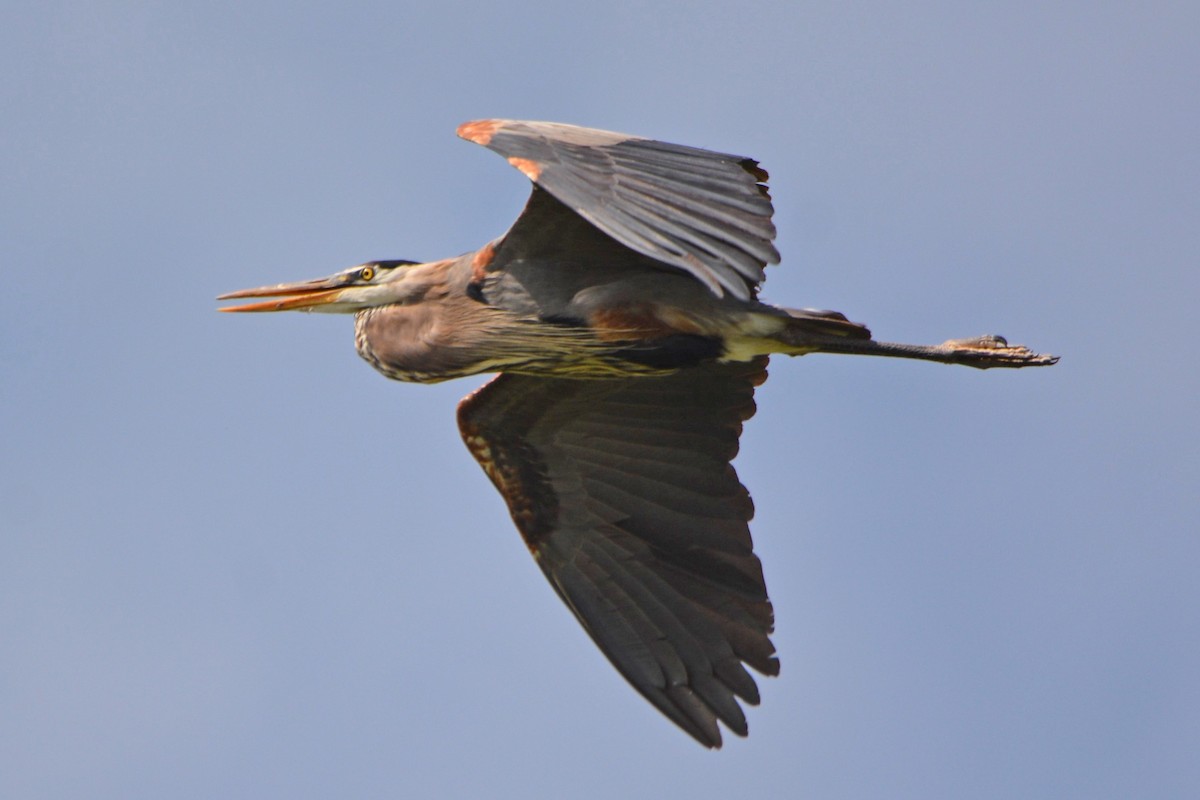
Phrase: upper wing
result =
(706, 213)
(624, 492)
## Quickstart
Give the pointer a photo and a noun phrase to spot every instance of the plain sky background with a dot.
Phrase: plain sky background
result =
(235, 562)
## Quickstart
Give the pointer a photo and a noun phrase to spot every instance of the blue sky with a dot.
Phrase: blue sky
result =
(236, 562)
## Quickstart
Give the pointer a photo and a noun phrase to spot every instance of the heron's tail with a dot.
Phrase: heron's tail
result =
(791, 331)
(805, 324)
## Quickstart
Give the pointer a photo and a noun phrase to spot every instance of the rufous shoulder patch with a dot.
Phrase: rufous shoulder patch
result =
(479, 131)
(531, 169)
(479, 262)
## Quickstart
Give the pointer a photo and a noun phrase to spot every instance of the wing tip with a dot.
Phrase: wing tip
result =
(759, 174)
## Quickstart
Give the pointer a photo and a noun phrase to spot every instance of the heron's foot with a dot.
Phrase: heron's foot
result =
(984, 352)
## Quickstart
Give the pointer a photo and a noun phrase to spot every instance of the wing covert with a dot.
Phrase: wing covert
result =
(703, 212)
(624, 492)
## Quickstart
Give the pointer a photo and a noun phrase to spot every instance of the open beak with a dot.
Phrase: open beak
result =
(289, 296)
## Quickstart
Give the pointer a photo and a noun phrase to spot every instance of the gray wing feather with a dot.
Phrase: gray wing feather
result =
(625, 493)
(700, 211)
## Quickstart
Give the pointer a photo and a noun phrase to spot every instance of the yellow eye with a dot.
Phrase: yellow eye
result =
(366, 273)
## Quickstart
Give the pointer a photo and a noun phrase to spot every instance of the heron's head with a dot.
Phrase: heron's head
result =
(375, 283)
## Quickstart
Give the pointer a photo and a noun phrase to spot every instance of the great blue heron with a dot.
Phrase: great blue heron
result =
(621, 312)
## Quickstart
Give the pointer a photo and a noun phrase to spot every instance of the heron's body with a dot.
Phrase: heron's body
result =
(633, 325)
(621, 311)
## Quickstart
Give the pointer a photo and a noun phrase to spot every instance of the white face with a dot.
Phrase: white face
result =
(367, 285)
